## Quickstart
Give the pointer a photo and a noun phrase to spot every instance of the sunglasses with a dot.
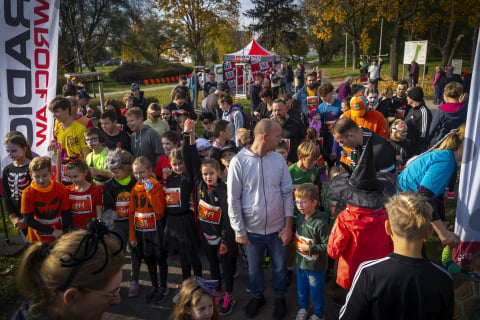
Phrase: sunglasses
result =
(157, 116)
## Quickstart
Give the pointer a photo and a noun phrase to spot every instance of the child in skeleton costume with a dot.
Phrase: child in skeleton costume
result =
(16, 177)
(218, 238)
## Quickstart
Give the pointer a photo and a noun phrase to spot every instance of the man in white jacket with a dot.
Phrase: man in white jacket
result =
(260, 207)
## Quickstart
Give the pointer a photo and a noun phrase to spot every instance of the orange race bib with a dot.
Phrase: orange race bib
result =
(122, 208)
(208, 213)
(54, 223)
(80, 204)
(145, 221)
(300, 239)
(172, 197)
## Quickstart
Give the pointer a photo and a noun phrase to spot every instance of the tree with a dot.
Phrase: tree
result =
(199, 20)
(399, 13)
(86, 26)
(352, 15)
(149, 39)
(446, 22)
(320, 32)
(274, 20)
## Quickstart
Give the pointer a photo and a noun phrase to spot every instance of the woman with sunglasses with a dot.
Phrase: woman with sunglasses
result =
(76, 277)
(154, 119)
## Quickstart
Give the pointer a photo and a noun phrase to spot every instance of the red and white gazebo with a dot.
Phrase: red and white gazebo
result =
(247, 61)
(253, 52)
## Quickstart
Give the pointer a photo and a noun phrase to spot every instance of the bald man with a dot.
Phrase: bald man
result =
(260, 208)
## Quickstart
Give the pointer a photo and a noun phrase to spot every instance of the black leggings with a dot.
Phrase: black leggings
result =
(227, 262)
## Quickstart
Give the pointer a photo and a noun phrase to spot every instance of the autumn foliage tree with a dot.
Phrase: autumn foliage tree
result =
(198, 20)
(352, 15)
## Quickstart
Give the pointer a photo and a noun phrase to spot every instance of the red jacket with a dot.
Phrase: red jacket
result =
(358, 235)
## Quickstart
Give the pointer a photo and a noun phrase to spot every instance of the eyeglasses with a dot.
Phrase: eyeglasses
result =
(302, 202)
(91, 140)
(113, 294)
(166, 114)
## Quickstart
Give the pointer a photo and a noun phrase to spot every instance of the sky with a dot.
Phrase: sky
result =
(244, 6)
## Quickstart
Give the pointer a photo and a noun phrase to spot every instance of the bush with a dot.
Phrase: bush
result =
(135, 72)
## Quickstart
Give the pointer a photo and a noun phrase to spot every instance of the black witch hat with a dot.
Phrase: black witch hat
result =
(365, 187)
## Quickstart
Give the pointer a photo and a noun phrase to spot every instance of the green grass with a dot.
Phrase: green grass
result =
(9, 297)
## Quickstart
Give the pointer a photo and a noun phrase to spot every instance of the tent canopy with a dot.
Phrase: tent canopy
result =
(253, 52)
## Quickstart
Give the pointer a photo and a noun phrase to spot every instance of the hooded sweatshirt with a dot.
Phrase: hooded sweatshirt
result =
(147, 143)
(449, 116)
(358, 235)
(259, 193)
(235, 118)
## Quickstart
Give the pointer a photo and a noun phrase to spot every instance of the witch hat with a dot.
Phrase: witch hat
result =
(365, 187)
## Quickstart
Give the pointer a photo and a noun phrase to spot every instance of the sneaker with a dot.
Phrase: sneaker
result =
(133, 290)
(227, 306)
(302, 314)
(162, 295)
(219, 299)
(253, 306)
(314, 317)
(280, 309)
(175, 297)
(150, 296)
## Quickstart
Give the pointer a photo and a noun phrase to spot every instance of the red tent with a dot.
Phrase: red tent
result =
(253, 52)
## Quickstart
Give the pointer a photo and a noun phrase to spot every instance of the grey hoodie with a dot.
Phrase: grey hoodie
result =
(259, 193)
(147, 143)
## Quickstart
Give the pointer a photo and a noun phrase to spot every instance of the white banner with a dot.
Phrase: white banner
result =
(467, 224)
(28, 70)
(415, 50)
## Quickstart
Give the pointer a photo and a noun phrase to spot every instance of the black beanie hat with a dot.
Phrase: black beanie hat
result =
(416, 94)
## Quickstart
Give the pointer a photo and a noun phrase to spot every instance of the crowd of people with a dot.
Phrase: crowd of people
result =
(306, 184)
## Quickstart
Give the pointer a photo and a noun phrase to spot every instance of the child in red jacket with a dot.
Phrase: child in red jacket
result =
(359, 231)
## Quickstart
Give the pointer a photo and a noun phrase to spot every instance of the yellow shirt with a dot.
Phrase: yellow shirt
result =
(72, 140)
(161, 126)
(311, 93)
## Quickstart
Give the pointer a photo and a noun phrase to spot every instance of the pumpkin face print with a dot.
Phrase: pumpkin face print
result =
(48, 210)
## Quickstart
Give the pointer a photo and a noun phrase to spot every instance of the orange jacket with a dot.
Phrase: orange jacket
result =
(373, 121)
(142, 201)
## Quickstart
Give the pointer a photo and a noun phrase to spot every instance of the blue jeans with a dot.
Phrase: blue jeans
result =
(255, 255)
(436, 97)
(311, 284)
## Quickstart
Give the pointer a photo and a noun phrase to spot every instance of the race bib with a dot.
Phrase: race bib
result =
(54, 223)
(81, 204)
(313, 100)
(172, 197)
(145, 221)
(122, 208)
(300, 239)
(208, 213)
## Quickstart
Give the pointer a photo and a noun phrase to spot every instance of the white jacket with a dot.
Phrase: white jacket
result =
(259, 193)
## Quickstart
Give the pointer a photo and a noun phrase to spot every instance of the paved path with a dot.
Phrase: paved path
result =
(135, 308)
